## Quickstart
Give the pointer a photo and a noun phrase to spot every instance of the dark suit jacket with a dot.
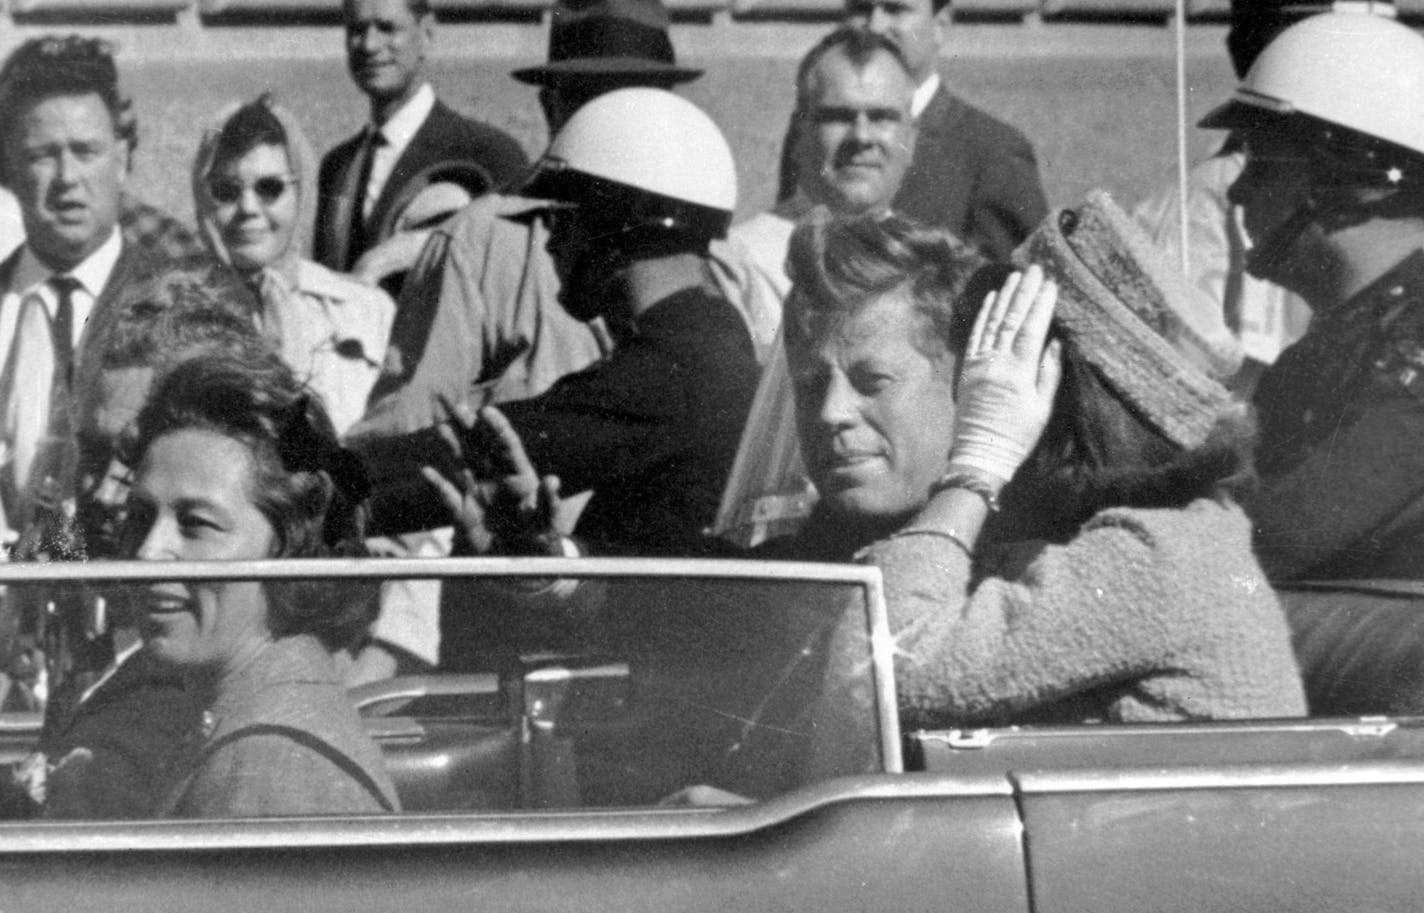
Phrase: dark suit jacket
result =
(971, 174)
(445, 139)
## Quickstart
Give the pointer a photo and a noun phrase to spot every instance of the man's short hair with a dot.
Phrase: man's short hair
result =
(52, 65)
(839, 264)
(178, 314)
(418, 9)
(857, 44)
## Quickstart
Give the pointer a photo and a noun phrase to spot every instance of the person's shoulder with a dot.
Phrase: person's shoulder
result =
(976, 125)
(1204, 527)
(271, 770)
(315, 279)
(492, 212)
(472, 134)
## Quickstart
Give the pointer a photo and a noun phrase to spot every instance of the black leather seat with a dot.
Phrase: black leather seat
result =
(1360, 644)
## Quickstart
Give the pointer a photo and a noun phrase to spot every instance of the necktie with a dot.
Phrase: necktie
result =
(361, 169)
(62, 329)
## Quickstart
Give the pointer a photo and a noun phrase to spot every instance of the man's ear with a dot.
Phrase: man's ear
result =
(427, 30)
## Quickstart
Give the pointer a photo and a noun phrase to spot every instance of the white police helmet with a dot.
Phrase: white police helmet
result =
(1350, 85)
(641, 158)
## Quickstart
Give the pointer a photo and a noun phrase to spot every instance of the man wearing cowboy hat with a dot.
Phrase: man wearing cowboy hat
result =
(479, 318)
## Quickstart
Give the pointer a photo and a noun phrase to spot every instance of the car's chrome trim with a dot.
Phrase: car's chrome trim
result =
(867, 577)
(495, 828)
(1227, 776)
(980, 739)
(435, 569)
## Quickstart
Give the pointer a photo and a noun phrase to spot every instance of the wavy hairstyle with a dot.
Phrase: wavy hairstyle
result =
(310, 489)
(839, 264)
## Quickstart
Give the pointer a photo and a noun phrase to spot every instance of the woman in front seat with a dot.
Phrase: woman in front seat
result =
(236, 460)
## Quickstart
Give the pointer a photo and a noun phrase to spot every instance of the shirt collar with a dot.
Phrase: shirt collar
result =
(923, 93)
(92, 273)
(401, 127)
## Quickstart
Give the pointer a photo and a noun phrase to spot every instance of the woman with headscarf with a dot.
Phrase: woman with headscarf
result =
(254, 182)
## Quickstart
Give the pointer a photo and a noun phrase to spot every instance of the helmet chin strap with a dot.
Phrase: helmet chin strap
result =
(1270, 252)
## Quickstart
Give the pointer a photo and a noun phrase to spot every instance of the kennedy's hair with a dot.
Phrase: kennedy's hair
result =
(839, 264)
(309, 489)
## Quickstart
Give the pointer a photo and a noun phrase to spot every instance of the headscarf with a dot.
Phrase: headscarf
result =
(278, 280)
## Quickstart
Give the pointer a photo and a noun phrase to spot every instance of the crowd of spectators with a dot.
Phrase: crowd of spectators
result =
(1041, 432)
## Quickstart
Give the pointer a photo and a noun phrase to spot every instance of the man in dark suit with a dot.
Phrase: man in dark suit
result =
(972, 173)
(65, 137)
(413, 139)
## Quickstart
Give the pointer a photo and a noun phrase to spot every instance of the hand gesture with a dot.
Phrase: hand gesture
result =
(499, 502)
(1009, 378)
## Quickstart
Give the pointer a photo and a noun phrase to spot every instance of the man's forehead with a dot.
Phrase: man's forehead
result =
(879, 324)
(878, 79)
(377, 10)
(79, 112)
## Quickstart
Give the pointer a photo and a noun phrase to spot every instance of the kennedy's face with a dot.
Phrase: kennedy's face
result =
(68, 167)
(875, 414)
(857, 137)
(386, 46)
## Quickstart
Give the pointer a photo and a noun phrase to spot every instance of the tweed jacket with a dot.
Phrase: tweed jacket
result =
(1145, 615)
(280, 738)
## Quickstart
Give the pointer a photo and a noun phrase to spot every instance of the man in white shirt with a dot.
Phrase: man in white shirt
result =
(65, 136)
(12, 230)
(412, 141)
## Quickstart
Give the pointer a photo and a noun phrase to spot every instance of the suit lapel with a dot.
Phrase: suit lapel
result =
(346, 203)
(940, 181)
(412, 158)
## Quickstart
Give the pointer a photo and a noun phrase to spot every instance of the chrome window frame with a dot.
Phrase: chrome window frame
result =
(457, 827)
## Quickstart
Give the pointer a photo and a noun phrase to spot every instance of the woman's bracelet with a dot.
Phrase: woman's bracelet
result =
(969, 482)
(949, 534)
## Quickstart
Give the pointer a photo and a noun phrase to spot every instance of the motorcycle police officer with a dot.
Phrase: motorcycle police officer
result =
(1333, 199)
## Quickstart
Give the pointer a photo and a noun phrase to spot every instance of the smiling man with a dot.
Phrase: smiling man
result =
(412, 140)
(970, 172)
(64, 152)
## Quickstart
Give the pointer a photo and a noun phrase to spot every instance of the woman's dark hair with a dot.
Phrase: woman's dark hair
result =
(308, 488)
(250, 126)
(1097, 452)
(840, 264)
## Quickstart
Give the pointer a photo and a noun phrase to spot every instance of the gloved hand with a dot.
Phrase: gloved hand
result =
(1008, 379)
